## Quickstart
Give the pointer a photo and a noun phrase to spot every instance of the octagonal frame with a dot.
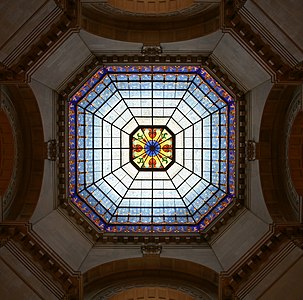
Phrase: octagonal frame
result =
(142, 227)
(173, 148)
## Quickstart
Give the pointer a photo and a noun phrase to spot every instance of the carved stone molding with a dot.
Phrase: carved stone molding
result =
(251, 150)
(62, 25)
(238, 4)
(8, 76)
(3, 241)
(151, 50)
(299, 66)
(293, 232)
(151, 249)
(153, 59)
(235, 23)
(38, 253)
(233, 281)
(52, 150)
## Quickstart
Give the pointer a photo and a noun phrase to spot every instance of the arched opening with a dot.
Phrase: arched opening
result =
(273, 164)
(151, 6)
(149, 293)
(150, 25)
(150, 275)
(295, 153)
(22, 151)
(7, 150)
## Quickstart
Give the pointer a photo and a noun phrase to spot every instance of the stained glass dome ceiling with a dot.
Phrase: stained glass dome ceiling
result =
(151, 149)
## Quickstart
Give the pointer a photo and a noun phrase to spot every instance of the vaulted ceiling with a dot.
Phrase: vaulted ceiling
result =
(48, 48)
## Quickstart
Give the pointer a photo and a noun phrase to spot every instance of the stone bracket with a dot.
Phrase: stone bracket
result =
(250, 150)
(52, 150)
(151, 50)
(151, 249)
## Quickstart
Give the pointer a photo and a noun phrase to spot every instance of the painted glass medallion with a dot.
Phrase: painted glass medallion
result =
(152, 148)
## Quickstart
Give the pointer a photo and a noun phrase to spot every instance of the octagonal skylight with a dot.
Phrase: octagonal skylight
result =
(151, 149)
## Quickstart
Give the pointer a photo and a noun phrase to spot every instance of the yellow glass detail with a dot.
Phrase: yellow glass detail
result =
(152, 148)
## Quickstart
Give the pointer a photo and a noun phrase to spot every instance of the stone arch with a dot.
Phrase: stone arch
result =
(150, 29)
(26, 164)
(147, 293)
(112, 278)
(151, 6)
(7, 150)
(295, 153)
(273, 147)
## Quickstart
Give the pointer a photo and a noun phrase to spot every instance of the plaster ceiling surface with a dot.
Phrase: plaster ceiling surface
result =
(63, 62)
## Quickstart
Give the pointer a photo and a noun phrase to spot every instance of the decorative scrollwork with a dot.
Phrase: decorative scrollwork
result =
(52, 150)
(151, 249)
(151, 50)
(251, 150)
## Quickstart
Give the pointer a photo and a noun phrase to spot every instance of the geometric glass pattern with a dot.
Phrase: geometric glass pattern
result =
(184, 115)
(152, 148)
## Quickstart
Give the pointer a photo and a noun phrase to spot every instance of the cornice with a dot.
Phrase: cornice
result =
(23, 241)
(39, 49)
(163, 59)
(14, 249)
(236, 24)
(268, 36)
(44, 17)
(293, 231)
(232, 280)
(8, 76)
(260, 260)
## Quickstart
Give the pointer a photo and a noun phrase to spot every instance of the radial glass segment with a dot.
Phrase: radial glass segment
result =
(152, 149)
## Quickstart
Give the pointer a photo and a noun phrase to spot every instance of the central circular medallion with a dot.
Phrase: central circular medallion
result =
(152, 148)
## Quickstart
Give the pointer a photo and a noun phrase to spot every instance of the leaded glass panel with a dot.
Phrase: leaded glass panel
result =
(152, 148)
